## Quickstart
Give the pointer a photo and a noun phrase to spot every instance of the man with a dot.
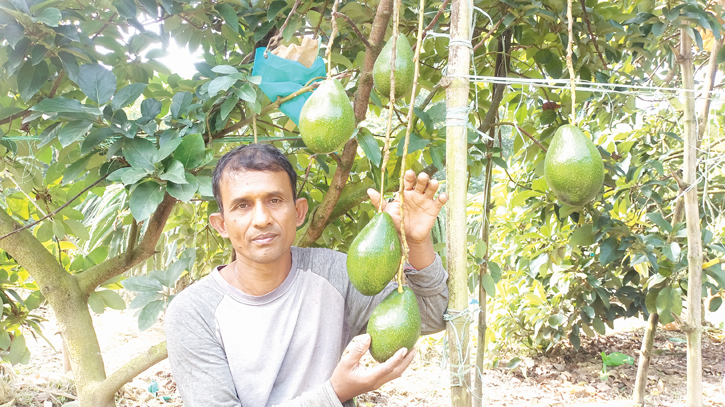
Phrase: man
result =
(270, 328)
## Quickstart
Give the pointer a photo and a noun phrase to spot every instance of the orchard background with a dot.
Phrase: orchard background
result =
(106, 157)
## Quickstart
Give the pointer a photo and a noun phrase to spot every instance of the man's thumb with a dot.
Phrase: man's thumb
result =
(359, 346)
(374, 196)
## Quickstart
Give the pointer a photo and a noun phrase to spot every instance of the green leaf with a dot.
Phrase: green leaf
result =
(127, 95)
(49, 16)
(229, 15)
(98, 254)
(370, 147)
(96, 303)
(583, 236)
(58, 228)
(616, 359)
(150, 108)
(494, 270)
(191, 151)
(669, 300)
(513, 363)
(183, 192)
(660, 221)
(168, 142)
(144, 199)
(144, 298)
(180, 104)
(225, 69)
(73, 131)
(175, 270)
(488, 285)
(96, 137)
(599, 326)
(133, 175)
(425, 118)
(75, 169)
(574, 339)
(556, 320)
(608, 251)
(589, 311)
(112, 299)
(126, 8)
(4, 339)
(415, 143)
(140, 153)
(480, 250)
(58, 105)
(142, 284)
(275, 8)
(205, 188)
(246, 93)
(97, 82)
(221, 83)
(31, 78)
(77, 228)
(17, 349)
(174, 173)
(150, 314)
(228, 106)
(715, 303)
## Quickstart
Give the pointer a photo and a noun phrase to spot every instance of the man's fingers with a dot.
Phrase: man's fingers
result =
(432, 188)
(409, 180)
(441, 200)
(375, 197)
(396, 365)
(422, 182)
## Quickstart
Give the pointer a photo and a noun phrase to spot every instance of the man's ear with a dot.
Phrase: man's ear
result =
(301, 207)
(217, 222)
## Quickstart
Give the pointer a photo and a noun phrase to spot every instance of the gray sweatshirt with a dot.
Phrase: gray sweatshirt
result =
(230, 349)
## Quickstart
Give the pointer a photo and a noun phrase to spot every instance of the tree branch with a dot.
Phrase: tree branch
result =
(30, 225)
(354, 28)
(272, 106)
(537, 142)
(377, 36)
(501, 70)
(319, 220)
(275, 40)
(133, 368)
(591, 33)
(709, 85)
(96, 275)
(488, 34)
(434, 21)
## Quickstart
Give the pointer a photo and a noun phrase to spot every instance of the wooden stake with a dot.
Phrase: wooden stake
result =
(457, 99)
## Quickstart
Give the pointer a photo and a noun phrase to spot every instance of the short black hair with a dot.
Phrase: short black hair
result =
(251, 157)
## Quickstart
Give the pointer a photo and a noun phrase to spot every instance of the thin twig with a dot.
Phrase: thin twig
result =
(354, 28)
(322, 15)
(591, 33)
(488, 34)
(434, 21)
(328, 53)
(109, 22)
(275, 40)
(307, 174)
(569, 60)
(56, 211)
(523, 131)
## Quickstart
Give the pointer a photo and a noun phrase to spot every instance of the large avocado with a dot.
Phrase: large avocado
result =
(394, 324)
(573, 168)
(374, 255)
(404, 68)
(327, 120)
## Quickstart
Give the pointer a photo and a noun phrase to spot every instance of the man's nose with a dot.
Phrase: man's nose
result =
(261, 216)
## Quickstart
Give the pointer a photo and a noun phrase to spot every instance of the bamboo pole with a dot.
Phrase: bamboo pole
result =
(457, 96)
(692, 325)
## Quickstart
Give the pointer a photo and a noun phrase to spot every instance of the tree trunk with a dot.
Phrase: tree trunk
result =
(640, 386)
(459, 57)
(482, 297)
(692, 326)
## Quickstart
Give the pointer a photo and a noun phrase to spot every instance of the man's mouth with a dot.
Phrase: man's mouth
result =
(264, 238)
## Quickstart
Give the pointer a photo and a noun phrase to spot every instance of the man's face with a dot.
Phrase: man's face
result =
(260, 215)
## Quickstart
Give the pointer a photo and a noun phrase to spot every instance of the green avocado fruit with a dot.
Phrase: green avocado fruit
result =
(394, 324)
(327, 120)
(573, 167)
(404, 68)
(374, 256)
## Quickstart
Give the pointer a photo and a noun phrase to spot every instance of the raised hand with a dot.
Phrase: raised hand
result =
(421, 208)
(351, 378)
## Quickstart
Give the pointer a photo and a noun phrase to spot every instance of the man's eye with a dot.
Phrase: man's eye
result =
(275, 200)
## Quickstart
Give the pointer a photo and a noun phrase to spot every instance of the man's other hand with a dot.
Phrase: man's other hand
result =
(351, 378)
(421, 208)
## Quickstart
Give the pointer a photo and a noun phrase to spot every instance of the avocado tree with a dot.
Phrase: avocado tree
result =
(107, 154)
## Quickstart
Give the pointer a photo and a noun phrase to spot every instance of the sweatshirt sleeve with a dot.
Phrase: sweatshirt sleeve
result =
(430, 288)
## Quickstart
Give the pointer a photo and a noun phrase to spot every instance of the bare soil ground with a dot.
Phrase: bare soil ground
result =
(565, 378)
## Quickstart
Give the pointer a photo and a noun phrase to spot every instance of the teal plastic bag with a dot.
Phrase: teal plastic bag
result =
(282, 77)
